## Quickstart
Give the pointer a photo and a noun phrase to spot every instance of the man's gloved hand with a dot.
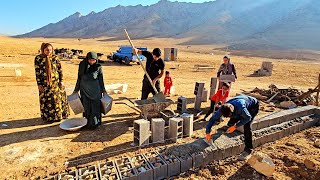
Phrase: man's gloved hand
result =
(231, 129)
(208, 136)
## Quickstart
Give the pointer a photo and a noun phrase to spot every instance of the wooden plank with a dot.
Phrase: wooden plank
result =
(318, 91)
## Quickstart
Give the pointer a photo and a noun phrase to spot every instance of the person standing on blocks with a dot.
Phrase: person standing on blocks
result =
(241, 110)
(226, 68)
(167, 83)
(153, 66)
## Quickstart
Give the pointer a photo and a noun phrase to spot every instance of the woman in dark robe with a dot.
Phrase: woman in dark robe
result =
(226, 68)
(53, 100)
(91, 86)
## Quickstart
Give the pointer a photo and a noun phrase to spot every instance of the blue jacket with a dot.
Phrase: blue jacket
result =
(241, 105)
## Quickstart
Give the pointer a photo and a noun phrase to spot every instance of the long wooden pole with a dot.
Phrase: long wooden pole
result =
(154, 88)
(318, 92)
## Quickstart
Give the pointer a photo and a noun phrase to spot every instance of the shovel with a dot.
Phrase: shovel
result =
(159, 96)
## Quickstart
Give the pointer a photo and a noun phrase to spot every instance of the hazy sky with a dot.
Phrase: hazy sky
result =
(21, 16)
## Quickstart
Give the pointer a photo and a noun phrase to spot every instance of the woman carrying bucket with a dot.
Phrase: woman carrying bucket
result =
(91, 86)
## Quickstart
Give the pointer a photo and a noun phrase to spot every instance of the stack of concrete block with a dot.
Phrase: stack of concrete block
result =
(265, 70)
(182, 104)
(90, 172)
(198, 90)
(126, 168)
(198, 153)
(108, 171)
(141, 132)
(187, 124)
(175, 129)
(280, 117)
(143, 167)
(213, 85)
(157, 130)
(159, 166)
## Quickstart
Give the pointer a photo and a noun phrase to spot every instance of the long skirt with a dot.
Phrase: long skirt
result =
(53, 104)
(92, 111)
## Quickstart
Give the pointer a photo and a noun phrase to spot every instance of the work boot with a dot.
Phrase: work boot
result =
(244, 156)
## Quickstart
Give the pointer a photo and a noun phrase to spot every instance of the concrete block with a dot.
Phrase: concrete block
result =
(197, 103)
(187, 124)
(213, 86)
(224, 144)
(108, 171)
(282, 116)
(160, 168)
(186, 163)
(182, 105)
(198, 159)
(90, 172)
(198, 89)
(126, 169)
(262, 163)
(205, 95)
(141, 132)
(56, 177)
(143, 167)
(175, 129)
(157, 130)
(174, 166)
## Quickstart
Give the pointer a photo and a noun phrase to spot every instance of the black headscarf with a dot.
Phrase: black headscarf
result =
(85, 67)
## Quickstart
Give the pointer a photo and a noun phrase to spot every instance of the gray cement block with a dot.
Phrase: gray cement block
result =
(92, 170)
(108, 171)
(143, 167)
(205, 95)
(141, 132)
(224, 144)
(280, 117)
(175, 129)
(126, 169)
(160, 168)
(174, 166)
(185, 162)
(56, 177)
(182, 104)
(187, 124)
(157, 130)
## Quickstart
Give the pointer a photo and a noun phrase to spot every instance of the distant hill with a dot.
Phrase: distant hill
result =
(241, 24)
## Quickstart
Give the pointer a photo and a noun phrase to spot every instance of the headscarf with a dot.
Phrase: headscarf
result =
(86, 67)
(47, 62)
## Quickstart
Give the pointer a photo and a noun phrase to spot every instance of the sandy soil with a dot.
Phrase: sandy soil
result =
(30, 149)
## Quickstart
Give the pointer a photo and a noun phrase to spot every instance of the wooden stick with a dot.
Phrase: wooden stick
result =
(144, 69)
(318, 92)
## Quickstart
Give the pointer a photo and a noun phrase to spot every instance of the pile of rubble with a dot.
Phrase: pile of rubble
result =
(284, 97)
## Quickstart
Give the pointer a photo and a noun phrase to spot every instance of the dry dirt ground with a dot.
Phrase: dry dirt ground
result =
(30, 149)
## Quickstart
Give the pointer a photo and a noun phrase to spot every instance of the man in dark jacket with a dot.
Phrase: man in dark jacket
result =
(153, 66)
(242, 111)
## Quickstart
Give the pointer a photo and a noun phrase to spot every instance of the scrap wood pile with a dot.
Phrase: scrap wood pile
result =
(284, 97)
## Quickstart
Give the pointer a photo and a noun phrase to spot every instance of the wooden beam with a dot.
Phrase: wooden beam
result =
(318, 92)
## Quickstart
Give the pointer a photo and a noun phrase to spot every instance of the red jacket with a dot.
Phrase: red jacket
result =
(167, 81)
(219, 96)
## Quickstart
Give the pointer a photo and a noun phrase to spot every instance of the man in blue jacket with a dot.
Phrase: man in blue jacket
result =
(241, 110)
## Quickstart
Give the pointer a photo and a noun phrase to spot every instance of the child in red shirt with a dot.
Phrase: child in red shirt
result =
(167, 83)
(220, 98)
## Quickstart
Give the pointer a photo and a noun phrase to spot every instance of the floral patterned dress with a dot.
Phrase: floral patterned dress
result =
(53, 100)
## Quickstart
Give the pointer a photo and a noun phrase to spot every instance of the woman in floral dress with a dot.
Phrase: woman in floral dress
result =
(52, 95)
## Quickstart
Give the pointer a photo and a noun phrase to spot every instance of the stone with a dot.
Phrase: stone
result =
(262, 163)
(317, 143)
(288, 104)
(312, 164)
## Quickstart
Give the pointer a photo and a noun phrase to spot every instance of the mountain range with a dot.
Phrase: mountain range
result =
(239, 24)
